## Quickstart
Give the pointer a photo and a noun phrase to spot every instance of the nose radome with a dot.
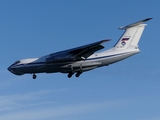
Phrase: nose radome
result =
(9, 68)
(14, 70)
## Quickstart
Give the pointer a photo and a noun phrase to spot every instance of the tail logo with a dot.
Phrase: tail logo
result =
(124, 41)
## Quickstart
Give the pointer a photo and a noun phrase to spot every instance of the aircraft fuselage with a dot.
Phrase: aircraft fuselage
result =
(35, 65)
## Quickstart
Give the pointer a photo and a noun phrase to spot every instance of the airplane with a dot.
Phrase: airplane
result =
(84, 58)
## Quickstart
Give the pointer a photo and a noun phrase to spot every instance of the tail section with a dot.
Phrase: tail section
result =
(132, 35)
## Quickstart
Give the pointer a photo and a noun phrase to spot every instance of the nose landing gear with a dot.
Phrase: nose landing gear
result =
(34, 76)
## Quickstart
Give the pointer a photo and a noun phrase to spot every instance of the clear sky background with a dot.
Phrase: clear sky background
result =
(127, 90)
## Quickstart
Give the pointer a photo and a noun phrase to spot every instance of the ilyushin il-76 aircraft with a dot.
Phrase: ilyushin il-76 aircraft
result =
(84, 58)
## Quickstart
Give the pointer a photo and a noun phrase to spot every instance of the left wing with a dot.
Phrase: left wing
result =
(76, 54)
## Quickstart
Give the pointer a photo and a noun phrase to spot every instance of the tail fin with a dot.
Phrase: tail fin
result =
(132, 35)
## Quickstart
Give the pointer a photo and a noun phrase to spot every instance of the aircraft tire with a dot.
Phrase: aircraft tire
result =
(70, 75)
(34, 76)
(78, 74)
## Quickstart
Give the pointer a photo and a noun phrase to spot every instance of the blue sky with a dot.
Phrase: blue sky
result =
(125, 90)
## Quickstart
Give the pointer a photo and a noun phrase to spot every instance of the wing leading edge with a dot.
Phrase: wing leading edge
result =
(76, 54)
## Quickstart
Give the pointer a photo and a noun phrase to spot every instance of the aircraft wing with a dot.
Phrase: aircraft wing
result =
(75, 54)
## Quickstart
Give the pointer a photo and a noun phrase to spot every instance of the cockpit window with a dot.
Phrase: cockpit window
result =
(16, 62)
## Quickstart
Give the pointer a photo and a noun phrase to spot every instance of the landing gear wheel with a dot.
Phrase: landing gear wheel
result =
(70, 75)
(34, 76)
(78, 74)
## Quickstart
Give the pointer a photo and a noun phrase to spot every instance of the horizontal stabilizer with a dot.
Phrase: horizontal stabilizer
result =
(134, 24)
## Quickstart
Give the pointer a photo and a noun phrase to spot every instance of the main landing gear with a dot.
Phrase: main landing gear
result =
(34, 76)
(72, 71)
(77, 74)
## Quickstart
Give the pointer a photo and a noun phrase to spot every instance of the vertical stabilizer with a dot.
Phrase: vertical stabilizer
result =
(132, 35)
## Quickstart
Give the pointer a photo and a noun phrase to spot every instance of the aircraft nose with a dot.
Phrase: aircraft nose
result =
(14, 70)
(10, 69)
